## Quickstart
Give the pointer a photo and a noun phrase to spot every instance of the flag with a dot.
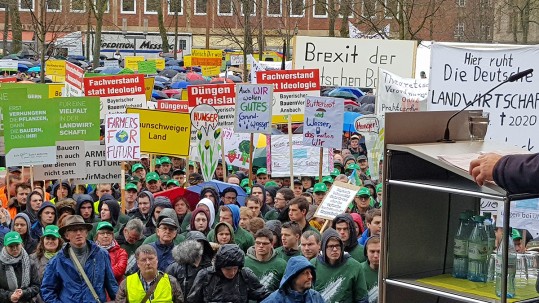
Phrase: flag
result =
(354, 32)
(354, 178)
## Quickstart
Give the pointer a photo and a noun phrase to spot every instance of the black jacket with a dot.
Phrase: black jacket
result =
(27, 293)
(518, 174)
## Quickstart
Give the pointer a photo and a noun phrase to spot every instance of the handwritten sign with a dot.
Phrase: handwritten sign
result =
(206, 57)
(122, 137)
(131, 62)
(398, 94)
(253, 108)
(98, 169)
(147, 67)
(322, 125)
(237, 147)
(337, 200)
(55, 67)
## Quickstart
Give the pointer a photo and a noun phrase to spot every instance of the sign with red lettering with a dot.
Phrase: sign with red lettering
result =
(173, 105)
(221, 96)
(122, 137)
(74, 80)
(204, 116)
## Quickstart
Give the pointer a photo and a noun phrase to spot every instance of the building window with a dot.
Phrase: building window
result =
(54, 5)
(369, 8)
(129, 7)
(459, 30)
(201, 7)
(250, 7)
(461, 3)
(175, 6)
(26, 5)
(77, 5)
(274, 8)
(297, 8)
(151, 6)
(391, 9)
(319, 9)
(224, 7)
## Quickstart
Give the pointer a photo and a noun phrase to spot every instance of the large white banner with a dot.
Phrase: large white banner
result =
(306, 159)
(460, 75)
(353, 62)
(524, 215)
(398, 94)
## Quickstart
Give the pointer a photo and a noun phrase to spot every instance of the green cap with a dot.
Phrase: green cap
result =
(316, 179)
(12, 237)
(379, 187)
(335, 172)
(229, 167)
(51, 231)
(248, 190)
(262, 171)
(136, 166)
(131, 186)
(153, 176)
(328, 179)
(173, 182)
(244, 182)
(320, 187)
(104, 225)
(165, 160)
(157, 162)
(133, 179)
(270, 184)
(165, 178)
(352, 166)
(364, 192)
(515, 234)
(191, 163)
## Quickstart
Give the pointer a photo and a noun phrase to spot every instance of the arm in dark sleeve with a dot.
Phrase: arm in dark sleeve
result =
(196, 295)
(256, 291)
(518, 173)
(177, 293)
(32, 290)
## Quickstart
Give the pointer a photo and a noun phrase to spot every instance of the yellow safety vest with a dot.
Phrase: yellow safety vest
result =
(136, 292)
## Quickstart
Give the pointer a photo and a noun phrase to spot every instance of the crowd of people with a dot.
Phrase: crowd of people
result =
(75, 243)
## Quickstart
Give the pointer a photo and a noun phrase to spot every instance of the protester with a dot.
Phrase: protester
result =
(104, 238)
(344, 225)
(297, 212)
(262, 176)
(310, 244)
(21, 224)
(224, 233)
(290, 234)
(149, 281)
(371, 265)
(85, 209)
(229, 196)
(18, 278)
(153, 182)
(307, 182)
(159, 204)
(166, 233)
(131, 192)
(49, 244)
(79, 256)
(297, 284)
(181, 207)
(254, 204)
(271, 191)
(227, 280)
(362, 203)
(275, 227)
(298, 188)
(283, 196)
(145, 203)
(209, 192)
(319, 191)
(208, 205)
(231, 215)
(46, 215)
(17, 204)
(13, 181)
(130, 237)
(33, 204)
(259, 191)
(256, 224)
(245, 216)
(67, 205)
(374, 225)
(61, 190)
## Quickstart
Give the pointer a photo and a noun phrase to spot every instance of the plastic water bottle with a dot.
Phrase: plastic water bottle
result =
(511, 268)
(478, 252)
(491, 234)
(460, 249)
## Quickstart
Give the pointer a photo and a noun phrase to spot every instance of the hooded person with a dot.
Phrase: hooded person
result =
(66, 206)
(85, 209)
(21, 224)
(227, 280)
(110, 212)
(64, 187)
(243, 238)
(339, 276)
(348, 159)
(344, 225)
(159, 204)
(264, 208)
(33, 207)
(198, 223)
(208, 204)
(214, 193)
(296, 286)
(272, 191)
(191, 256)
(121, 218)
(223, 233)
(166, 213)
(47, 215)
(275, 227)
(143, 210)
(357, 219)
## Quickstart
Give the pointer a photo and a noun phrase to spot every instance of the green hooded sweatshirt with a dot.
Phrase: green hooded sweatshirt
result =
(243, 238)
(371, 275)
(268, 272)
(342, 282)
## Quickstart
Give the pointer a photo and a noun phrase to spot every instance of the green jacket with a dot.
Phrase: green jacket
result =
(286, 255)
(371, 275)
(243, 238)
(269, 272)
(358, 254)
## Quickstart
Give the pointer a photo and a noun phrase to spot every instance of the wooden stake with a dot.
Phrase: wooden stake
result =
(7, 188)
(122, 187)
(152, 162)
(321, 164)
(223, 161)
(32, 177)
(251, 147)
(290, 150)
(324, 226)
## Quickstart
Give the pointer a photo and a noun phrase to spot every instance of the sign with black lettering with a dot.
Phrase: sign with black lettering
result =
(69, 162)
(336, 200)
(98, 169)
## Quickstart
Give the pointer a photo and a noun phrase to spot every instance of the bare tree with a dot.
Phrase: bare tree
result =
(477, 18)
(520, 15)
(97, 9)
(16, 26)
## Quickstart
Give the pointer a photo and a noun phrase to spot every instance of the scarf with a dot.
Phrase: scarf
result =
(9, 261)
(49, 255)
(106, 247)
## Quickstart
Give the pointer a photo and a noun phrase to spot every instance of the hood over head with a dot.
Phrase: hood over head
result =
(214, 193)
(114, 208)
(26, 218)
(229, 255)
(352, 239)
(230, 228)
(193, 216)
(211, 208)
(275, 227)
(272, 190)
(264, 208)
(164, 203)
(188, 252)
(147, 194)
(294, 267)
(330, 233)
(44, 205)
(348, 158)
(200, 237)
(357, 218)
(235, 215)
(64, 184)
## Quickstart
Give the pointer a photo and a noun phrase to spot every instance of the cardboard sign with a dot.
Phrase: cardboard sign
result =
(353, 62)
(290, 87)
(336, 200)
(122, 137)
(131, 62)
(220, 96)
(204, 116)
(397, 94)
(237, 147)
(159, 128)
(55, 90)
(148, 85)
(147, 67)
(236, 60)
(206, 57)
(253, 108)
(98, 169)
(69, 162)
(323, 122)
(74, 80)
(55, 67)
(111, 63)
(211, 70)
(173, 105)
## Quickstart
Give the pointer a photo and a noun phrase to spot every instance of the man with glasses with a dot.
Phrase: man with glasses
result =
(148, 281)
(166, 233)
(229, 196)
(264, 262)
(78, 255)
(362, 203)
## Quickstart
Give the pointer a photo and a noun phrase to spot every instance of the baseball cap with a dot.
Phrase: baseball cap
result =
(165, 178)
(244, 182)
(104, 225)
(167, 221)
(327, 179)
(157, 162)
(178, 172)
(133, 179)
(364, 192)
(352, 166)
(320, 187)
(173, 182)
(335, 172)
(262, 171)
(165, 160)
(297, 181)
(12, 237)
(379, 187)
(51, 231)
(270, 184)
(354, 137)
(136, 166)
(362, 158)
(131, 186)
(153, 176)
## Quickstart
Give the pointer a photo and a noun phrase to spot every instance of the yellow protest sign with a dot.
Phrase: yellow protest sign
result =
(184, 94)
(211, 70)
(131, 62)
(206, 57)
(148, 84)
(55, 67)
(59, 79)
(187, 61)
(55, 90)
(159, 63)
(159, 128)
(284, 119)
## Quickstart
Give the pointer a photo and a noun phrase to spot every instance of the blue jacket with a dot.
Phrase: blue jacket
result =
(164, 255)
(285, 294)
(364, 236)
(63, 283)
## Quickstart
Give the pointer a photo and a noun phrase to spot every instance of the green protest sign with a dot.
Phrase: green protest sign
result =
(147, 67)
(5, 95)
(35, 91)
(78, 118)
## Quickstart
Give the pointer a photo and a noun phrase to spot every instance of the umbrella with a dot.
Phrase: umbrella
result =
(172, 62)
(348, 121)
(169, 73)
(162, 79)
(342, 94)
(366, 109)
(221, 80)
(99, 70)
(76, 62)
(11, 56)
(235, 79)
(178, 192)
(22, 67)
(158, 85)
(179, 77)
(198, 82)
(220, 186)
(111, 70)
(354, 90)
(157, 94)
(196, 69)
(194, 76)
(171, 92)
(27, 63)
(370, 99)
(178, 68)
(38, 80)
(177, 96)
(180, 84)
(35, 69)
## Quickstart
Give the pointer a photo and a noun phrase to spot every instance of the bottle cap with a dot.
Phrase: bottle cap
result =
(478, 219)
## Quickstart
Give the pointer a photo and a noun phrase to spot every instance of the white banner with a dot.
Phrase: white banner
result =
(524, 215)
(397, 94)
(69, 162)
(253, 108)
(122, 137)
(459, 75)
(306, 159)
(323, 122)
(98, 169)
(237, 147)
(337, 200)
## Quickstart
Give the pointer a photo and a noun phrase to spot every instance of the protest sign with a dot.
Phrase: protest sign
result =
(237, 147)
(159, 128)
(220, 96)
(353, 62)
(55, 90)
(147, 67)
(306, 159)
(255, 68)
(372, 127)
(173, 105)
(131, 62)
(69, 162)
(253, 108)
(34, 90)
(205, 120)
(55, 67)
(78, 118)
(460, 75)
(323, 119)
(290, 87)
(74, 80)
(206, 57)
(148, 86)
(159, 63)
(111, 63)
(524, 215)
(397, 94)
(122, 137)
(8, 80)
(187, 61)
(6, 95)
(117, 92)
(9, 65)
(236, 60)
(210, 71)
(98, 169)
(336, 200)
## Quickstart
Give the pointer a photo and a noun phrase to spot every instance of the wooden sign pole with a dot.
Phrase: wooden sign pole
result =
(321, 164)
(32, 177)
(223, 161)
(251, 147)
(290, 150)
(122, 187)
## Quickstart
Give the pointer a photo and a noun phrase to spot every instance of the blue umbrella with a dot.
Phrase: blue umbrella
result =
(158, 85)
(159, 94)
(349, 118)
(346, 92)
(220, 186)
(178, 68)
(22, 68)
(181, 84)
(35, 69)
(162, 79)
(196, 69)
(111, 70)
(172, 62)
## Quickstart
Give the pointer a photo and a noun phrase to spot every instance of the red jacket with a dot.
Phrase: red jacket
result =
(118, 260)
